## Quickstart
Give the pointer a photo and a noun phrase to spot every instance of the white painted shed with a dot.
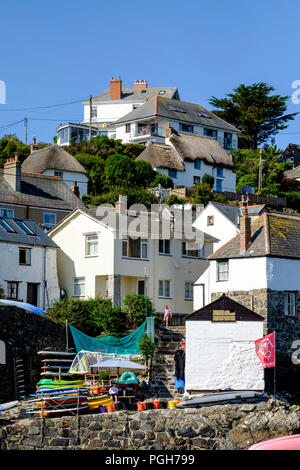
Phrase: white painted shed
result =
(220, 350)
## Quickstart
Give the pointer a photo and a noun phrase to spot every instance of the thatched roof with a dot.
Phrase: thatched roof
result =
(52, 157)
(192, 147)
(161, 156)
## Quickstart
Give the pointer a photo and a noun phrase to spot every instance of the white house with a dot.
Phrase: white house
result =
(54, 160)
(149, 122)
(28, 269)
(97, 257)
(220, 350)
(222, 221)
(106, 108)
(260, 268)
(187, 157)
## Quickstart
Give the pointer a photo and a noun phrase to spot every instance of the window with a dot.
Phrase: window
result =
(178, 109)
(141, 287)
(25, 256)
(290, 304)
(6, 226)
(196, 180)
(210, 220)
(79, 286)
(12, 290)
(58, 173)
(219, 185)
(49, 219)
(222, 270)
(162, 92)
(227, 140)
(135, 248)
(202, 113)
(220, 172)
(164, 247)
(186, 128)
(127, 128)
(210, 133)
(188, 291)
(94, 112)
(197, 164)
(24, 227)
(164, 289)
(91, 245)
(192, 250)
(172, 173)
(223, 315)
(9, 213)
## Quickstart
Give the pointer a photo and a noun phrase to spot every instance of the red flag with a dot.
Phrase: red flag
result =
(265, 350)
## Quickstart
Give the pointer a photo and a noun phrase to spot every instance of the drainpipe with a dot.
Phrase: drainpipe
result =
(44, 279)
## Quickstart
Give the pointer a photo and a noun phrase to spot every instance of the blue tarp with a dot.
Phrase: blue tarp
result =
(24, 306)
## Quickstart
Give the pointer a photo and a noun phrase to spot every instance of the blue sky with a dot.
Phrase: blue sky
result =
(61, 51)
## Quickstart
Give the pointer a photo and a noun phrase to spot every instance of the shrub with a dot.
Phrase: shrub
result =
(173, 199)
(146, 347)
(209, 179)
(135, 308)
(164, 180)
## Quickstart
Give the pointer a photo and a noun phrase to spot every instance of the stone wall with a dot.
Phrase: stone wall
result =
(218, 427)
(24, 334)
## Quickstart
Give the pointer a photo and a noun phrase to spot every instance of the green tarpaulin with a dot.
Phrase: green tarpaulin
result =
(109, 344)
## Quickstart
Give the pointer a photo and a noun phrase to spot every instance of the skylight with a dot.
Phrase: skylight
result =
(201, 113)
(176, 108)
(162, 92)
(6, 226)
(24, 227)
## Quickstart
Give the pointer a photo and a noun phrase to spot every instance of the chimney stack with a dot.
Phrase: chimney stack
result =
(33, 146)
(245, 226)
(115, 88)
(12, 173)
(140, 84)
(75, 189)
(121, 205)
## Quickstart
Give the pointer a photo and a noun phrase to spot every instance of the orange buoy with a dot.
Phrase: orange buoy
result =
(141, 406)
(156, 404)
(110, 408)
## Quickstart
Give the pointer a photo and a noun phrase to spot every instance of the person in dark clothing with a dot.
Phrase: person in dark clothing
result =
(179, 359)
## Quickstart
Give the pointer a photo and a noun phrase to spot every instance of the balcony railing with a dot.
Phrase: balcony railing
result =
(147, 130)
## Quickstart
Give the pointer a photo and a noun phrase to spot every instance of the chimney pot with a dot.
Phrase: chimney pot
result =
(140, 84)
(245, 226)
(12, 173)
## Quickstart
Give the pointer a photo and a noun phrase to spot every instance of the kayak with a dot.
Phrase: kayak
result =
(8, 405)
(221, 398)
(56, 353)
(60, 401)
(281, 443)
(82, 407)
(94, 403)
(59, 383)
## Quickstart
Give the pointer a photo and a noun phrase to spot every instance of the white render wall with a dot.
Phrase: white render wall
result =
(108, 112)
(222, 355)
(70, 176)
(11, 270)
(223, 228)
(283, 274)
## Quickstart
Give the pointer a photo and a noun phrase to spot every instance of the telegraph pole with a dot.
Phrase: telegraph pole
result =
(90, 124)
(260, 170)
(25, 123)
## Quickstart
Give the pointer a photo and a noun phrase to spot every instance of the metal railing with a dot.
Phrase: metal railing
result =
(147, 130)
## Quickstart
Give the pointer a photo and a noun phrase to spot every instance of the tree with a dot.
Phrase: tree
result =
(120, 171)
(209, 179)
(164, 180)
(145, 174)
(253, 110)
(147, 347)
(95, 168)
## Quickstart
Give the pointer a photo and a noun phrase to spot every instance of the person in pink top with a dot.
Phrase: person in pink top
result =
(167, 315)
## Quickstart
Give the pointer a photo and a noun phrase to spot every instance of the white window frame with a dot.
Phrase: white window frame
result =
(189, 285)
(162, 292)
(79, 282)
(27, 256)
(94, 111)
(290, 302)
(163, 252)
(59, 173)
(50, 224)
(143, 246)
(91, 239)
(222, 275)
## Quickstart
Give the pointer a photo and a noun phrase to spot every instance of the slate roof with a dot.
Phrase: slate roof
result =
(39, 237)
(191, 113)
(275, 235)
(294, 173)
(233, 213)
(40, 191)
(224, 303)
(129, 95)
(52, 157)
(291, 153)
(188, 147)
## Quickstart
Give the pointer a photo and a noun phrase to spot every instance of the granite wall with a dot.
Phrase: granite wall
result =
(218, 427)
(24, 334)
